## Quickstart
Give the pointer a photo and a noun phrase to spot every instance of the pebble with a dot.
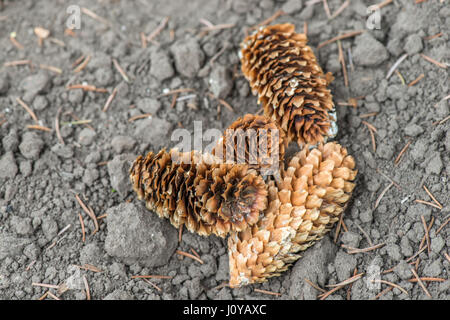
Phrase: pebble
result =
(22, 226)
(90, 175)
(31, 145)
(49, 228)
(8, 166)
(63, 151)
(122, 143)
(104, 76)
(220, 81)
(433, 269)
(40, 103)
(137, 235)
(351, 239)
(86, 136)
(91, 253)
(34, 84)
(10, 141)
(344, 264)
(118, 170)
(413, 44)
(413, 130)
(188, 56)
(437, 244)
(366, 216)
(11, 246)
(148, 105)
(25, 168)
(154, 131)
(434, 164)
(292, 6)
(161, 66)
(394, 252)
(368, 51)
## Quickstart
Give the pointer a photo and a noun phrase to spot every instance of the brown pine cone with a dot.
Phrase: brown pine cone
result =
(197, 190)
(255, 140)
(303, 206)
(290, 84)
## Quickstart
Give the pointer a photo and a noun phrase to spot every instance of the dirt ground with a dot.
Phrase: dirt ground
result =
(41, 239)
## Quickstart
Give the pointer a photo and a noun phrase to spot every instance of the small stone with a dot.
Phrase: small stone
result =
(434, 165)
(93, 157)
(122, 143)
(90, 175)
(413, 44)
(137, 235)
(31, 145)
(86, 136)
(40, 103)
(91, 254)
(63, 151)
(104, 76)
(32, 251)
(407, 249)
(76, 96)
(223, 268)
(148, 105)
(118, 170)
(351, 239)
(394, 252)
(220, 81)
(368, 51)
(49, 227)
(366, 216)
(8, 166)
(35, 84)
(413, 130)
(188, 56)
(11, 246)
(161, 66)
(344, 264)
(25, 168)
(10, 141)
(154, 131)
(403, 270)
(437, 243)
(434, 269)
(22, 226)
(292, 6)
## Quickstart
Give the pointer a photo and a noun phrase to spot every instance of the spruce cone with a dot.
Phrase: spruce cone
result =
(290, 84)
(303, 206)
(197, 190)
(255, 140)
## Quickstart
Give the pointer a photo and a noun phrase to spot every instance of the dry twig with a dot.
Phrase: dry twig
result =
(28, 109)
(421, 283)
(343, 36)
(420, 77)
(267, 292)
(109, 100)
(189, 256)
(439, 64)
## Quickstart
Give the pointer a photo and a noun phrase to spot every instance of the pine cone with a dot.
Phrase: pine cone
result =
(255, 140)
(290, 84)
(197, 190)
(303, 206)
